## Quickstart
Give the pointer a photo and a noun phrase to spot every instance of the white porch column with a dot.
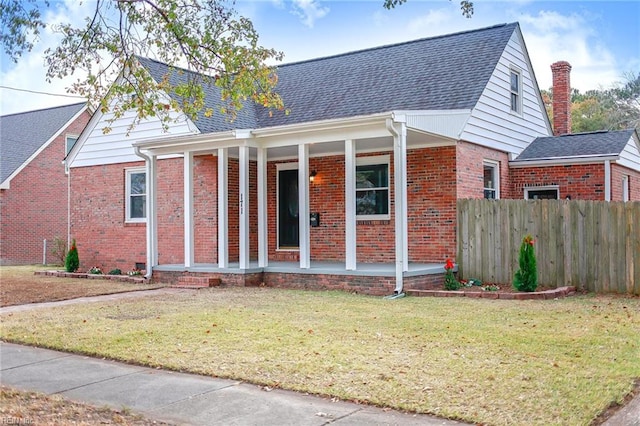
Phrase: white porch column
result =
(152, 215)
(399, 182)
(188, 209)
(244, 206)
(263, 232)
(223, 210)
(350, 204)
(303, 206)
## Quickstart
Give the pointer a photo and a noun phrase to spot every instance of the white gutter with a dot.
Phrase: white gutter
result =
(562, 161)
(179, 140)
(150, 212)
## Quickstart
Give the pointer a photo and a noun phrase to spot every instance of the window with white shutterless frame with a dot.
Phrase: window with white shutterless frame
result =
(135, 195)
(515, 90)
(69, 141)
(372, 188)
(491, 179)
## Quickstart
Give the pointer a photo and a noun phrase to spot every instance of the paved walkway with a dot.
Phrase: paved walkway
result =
(102, 298)
(187, 399)
(178, 398)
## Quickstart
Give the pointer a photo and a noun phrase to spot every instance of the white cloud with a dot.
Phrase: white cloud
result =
(30, 71)
(428, 22)
(380, 17)
(309, 11)
(551, 37)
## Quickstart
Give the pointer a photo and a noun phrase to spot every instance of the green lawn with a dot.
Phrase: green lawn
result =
(486, 361)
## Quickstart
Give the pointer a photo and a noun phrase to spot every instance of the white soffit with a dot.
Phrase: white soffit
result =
(449, 124)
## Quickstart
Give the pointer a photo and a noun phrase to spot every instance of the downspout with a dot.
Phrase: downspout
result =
(150, 207)
(607, 180)
(67, 171)
(398, 196)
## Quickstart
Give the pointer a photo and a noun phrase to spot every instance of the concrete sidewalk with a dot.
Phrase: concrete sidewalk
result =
(178, 398)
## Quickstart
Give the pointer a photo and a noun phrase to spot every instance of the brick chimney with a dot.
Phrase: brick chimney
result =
(561, 98)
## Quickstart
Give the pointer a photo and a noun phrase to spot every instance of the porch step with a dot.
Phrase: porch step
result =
(196, 282)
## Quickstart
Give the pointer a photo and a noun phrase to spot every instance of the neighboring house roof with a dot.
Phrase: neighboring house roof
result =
(592, 144)
(446, 72)
(23, 134)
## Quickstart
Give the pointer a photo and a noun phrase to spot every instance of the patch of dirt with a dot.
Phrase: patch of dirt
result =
(20, 286)
(31, 408)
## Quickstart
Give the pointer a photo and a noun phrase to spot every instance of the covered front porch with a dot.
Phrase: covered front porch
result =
(353, 248)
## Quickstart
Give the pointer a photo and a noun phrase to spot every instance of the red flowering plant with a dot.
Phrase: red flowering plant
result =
(450, 281)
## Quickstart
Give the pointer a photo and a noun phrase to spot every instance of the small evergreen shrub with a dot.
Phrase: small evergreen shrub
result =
(450, 281)
(526, 278)
(72, 262)
(95, 270)
(115, 272)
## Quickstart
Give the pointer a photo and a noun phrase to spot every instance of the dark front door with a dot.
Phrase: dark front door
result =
(288, 230)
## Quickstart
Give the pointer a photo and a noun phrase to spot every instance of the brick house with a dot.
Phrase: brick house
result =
(378, 146)
(33, 184)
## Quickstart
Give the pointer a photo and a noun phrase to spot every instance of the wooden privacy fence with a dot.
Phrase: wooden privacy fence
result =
(592, 245)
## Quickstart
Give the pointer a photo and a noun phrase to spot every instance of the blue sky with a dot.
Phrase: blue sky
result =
(601, 39)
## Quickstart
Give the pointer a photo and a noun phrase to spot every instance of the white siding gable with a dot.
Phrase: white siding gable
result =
(94, 147)
(492, 123)
(630, 155)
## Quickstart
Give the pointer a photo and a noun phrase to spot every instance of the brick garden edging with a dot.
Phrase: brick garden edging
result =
(136, 279)
(535, 295)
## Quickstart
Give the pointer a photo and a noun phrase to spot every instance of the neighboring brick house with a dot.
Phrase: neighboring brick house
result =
(33, 184)
(378, 146)
(602, 165)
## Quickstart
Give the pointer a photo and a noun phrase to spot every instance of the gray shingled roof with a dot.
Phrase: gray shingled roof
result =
(437, 73)
(23, 133)
(217, 122)
(577, 145)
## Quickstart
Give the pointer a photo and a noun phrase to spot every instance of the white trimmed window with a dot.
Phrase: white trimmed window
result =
(625, 188)
(516, 91)
(372, 188)
(69, 142)
(491, 179)
(136, 195)
(542, 193)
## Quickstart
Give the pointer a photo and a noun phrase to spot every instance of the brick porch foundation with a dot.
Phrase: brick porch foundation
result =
(361, 284)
